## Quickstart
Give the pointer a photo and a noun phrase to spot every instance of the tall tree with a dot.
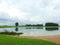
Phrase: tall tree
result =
(16, 24)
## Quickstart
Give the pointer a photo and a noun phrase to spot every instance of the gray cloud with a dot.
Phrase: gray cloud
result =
(37, 11)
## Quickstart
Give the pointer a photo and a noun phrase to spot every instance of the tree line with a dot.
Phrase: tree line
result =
(46, 24)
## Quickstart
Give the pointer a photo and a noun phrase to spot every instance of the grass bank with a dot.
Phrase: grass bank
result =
(7, 40)
(28, 26)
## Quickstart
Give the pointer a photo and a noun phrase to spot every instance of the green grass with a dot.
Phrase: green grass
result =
(8, 40)
(28, 26)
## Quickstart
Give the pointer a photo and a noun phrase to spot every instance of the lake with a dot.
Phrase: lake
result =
(34, 31)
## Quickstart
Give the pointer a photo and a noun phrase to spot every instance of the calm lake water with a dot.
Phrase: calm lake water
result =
(34, 31)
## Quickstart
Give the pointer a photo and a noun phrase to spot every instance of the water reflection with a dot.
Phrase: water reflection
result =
(34, 31)
(52, 29)
(34, 27)
(16, 29)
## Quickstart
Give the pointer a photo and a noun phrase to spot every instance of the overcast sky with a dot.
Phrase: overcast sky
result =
(29, 11)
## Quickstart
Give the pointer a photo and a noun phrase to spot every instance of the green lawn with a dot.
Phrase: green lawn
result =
(8, 40)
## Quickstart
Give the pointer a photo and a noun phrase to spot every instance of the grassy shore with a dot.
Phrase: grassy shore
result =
(28, 26)
(8, 40)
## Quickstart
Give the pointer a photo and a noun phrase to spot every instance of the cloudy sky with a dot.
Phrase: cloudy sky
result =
(29, 11)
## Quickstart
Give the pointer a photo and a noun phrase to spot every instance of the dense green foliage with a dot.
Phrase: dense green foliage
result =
(8, 40)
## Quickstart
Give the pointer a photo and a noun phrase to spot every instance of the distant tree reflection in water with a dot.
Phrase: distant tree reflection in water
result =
(52, 29)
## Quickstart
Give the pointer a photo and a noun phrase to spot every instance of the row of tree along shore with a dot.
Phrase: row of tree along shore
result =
(47, 24)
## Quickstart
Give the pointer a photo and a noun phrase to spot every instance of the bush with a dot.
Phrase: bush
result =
(10, 33)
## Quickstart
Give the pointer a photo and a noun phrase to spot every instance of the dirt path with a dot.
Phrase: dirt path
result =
(55, 39)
